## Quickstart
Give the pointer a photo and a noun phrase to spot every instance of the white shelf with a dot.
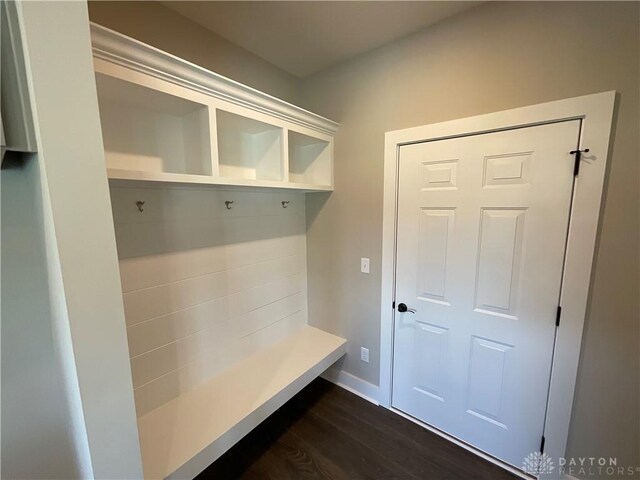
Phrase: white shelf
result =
(184, 436)
(167, 120)
(309, 160)
(118, 176)
(248, 149)
(149, 130)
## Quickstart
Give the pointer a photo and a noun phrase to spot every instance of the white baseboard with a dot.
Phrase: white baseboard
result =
(353, 384)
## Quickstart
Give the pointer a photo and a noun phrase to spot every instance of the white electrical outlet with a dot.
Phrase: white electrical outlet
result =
(364, 265)
(364, 354)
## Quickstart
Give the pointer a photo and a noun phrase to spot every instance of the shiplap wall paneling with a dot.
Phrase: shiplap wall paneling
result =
(205, 286)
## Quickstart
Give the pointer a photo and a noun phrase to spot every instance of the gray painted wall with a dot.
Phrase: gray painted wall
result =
(494, 57)
(37, 441)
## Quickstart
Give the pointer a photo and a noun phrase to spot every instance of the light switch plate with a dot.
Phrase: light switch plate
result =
(364, 265)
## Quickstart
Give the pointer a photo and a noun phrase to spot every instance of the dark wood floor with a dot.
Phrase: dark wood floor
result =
(327, 432)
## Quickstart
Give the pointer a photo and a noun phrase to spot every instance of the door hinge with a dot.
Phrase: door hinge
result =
(542, 445)
(578, 154)
(558, 313)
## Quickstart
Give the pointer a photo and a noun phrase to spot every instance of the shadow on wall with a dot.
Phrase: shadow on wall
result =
(315, 203)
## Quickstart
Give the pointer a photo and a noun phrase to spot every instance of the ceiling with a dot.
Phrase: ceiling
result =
(304, 37)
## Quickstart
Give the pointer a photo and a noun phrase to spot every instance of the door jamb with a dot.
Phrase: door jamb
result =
(596, 113)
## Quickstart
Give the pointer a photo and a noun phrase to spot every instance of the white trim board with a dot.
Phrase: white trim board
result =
(596, 113)
(353, 384)
(119, 49)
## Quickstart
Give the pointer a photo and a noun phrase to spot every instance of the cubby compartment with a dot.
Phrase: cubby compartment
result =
(248, 149)
(309, 160)
(147, 130)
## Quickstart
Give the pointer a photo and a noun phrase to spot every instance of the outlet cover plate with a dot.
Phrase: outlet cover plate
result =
(364, 265)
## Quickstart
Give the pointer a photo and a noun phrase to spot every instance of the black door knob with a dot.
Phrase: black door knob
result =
(402, 307)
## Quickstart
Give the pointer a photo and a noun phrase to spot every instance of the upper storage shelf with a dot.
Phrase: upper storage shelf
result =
(310, 160)
(167, 120)
(147, 130)
(249, 149)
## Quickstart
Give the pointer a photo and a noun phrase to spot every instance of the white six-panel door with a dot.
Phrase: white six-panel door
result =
(482, 225)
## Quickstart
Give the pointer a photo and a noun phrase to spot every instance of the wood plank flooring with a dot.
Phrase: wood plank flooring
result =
(325, 432)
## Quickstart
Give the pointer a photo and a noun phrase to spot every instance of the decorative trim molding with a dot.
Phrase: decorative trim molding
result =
(121, 50)
(353, 384)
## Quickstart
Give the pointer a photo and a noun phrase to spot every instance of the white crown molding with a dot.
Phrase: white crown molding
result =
(121, 50)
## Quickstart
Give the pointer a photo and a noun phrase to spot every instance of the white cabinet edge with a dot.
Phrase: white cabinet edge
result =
(18, 128)
(121, 50)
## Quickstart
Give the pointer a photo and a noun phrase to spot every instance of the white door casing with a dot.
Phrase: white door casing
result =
(482, 224)
(596, 113)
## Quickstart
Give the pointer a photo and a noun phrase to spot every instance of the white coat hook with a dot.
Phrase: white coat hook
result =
(229, 204)
(285, 203)
(140, 205)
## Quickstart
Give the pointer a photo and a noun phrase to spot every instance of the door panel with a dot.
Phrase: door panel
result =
(482, 224)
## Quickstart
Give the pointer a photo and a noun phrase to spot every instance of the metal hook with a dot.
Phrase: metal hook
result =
(229, 204)
(285, 203)
(140, 204)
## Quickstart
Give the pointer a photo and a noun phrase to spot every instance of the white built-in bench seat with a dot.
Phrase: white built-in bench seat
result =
(200, 425)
